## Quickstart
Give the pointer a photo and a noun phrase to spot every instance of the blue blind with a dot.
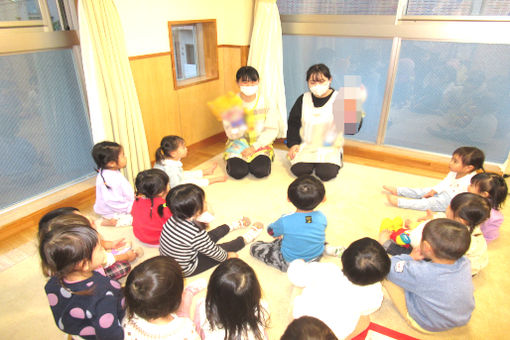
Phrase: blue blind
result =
(457, 7)
(45, 138)
(336, 7)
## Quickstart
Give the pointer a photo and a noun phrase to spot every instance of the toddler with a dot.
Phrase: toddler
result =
(233, 307)
(434, 295)
(463, 165)
(493, 187)
(342, 298)
(114, 194)
(300, 235)
(308, 328)
(184, 237)
(168, 159)
(149, 209)
(118, 253)
(83, 301)
(153, 294)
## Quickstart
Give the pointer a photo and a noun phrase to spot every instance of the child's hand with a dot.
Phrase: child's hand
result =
(218, 179)
(232, 255)
(131, 255)
(384, 236)
(248, 152)
(430, 194)
(293, 151)
(429, 215)
(416, 254)
(210, 171)
(115, 244)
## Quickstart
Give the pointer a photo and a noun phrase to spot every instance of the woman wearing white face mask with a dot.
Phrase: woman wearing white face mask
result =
(250, 145)
(311, 112)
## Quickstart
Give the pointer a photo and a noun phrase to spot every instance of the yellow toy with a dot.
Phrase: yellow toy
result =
(399, 230)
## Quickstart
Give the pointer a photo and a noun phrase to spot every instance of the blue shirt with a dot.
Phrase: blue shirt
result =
(438, 296)
(303, 235)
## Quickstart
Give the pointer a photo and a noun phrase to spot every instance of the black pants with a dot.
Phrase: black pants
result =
(238, 168)
(204, 261)
(325, 171)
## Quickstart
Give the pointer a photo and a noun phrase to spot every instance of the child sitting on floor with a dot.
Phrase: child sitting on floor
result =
(308, 328)
(493, 187)
(299, 235)
(233, 307)
(463, 165)
(342, 298)
(168, 159)
(118, 253)
(83, 301)
(114, 194)
(435, 295)
(153, 294)
(149, 209)
(184, 237)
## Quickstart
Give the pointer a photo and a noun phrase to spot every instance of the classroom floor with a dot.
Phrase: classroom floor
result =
(354, 207)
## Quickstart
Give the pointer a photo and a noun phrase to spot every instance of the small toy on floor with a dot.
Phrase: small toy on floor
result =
(399, 240)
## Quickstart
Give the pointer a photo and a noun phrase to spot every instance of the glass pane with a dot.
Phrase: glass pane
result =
(185, 42)
(45, 139)
(338, 7)
(455, 7)
(58, 18)
(367, 58)
(19, 10)
(448, 95)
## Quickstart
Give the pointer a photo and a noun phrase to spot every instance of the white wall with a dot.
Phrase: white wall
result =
(145, 22)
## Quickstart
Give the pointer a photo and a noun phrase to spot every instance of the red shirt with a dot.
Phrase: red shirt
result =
(146, 228)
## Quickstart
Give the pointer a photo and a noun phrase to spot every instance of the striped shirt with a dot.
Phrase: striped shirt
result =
(183, 240)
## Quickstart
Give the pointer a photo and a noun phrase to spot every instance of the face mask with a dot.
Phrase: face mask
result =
(249, 90)
(319, 89)
(205, 217)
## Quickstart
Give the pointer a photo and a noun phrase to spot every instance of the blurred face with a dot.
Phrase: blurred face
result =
(456, 164)
(98, 257)
(319, 84)
(248, 87)
(473, 189)
(449, 213)
(122, 161)
(180, 152)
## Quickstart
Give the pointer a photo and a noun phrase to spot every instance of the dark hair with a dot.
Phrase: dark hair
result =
(233, 300)
(308, 328)
(152, 183)
(104, 153)
(365, 262)
(46, 219)
(471, 156)
(315, 70)
(185, 201)
(168, 145)
(448, 239)
(66, 245)
(247, 73)
(306, 192)
(154, 288)
(494, 185)
(472, 208)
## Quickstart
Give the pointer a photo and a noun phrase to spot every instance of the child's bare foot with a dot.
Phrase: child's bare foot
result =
(109, 222)
(253, 233)
(384, 236)
(392, 200)
(241, 223)
(218, 179)
(210, 170)
(392, 190)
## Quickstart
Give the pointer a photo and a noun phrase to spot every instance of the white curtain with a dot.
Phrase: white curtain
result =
(266, 55)
(113, 103)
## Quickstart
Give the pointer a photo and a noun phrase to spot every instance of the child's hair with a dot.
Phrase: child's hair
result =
(152, 183)
(168, 145)
(365, 262)
(233, 300)
(247, 73)
(104, 153)
(494, 185)
(315, 70)
(69, 240)
(154, 288)
(306, 192)
(448, 239)
(44, 222)
(186, 200)
(471, 156)
(472, 208)
(308, 328)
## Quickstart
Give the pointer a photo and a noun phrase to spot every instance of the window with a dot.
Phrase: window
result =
(46, 16)
(459, 8)
(194, 51)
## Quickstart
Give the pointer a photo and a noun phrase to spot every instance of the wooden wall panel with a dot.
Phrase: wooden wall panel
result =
(158, 101)
(231, 63)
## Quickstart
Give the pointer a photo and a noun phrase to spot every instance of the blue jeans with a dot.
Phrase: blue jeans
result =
(438, 202)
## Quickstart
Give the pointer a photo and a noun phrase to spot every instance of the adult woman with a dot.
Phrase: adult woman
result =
(311, 114)
(253, 151)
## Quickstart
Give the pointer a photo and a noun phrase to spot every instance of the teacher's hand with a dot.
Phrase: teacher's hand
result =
(293, 151)
(248, 152)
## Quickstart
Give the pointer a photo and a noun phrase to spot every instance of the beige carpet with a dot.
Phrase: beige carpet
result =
(354, 207)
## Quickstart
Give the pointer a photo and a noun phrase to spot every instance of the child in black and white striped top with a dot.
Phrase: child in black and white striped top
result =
(184, 235)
